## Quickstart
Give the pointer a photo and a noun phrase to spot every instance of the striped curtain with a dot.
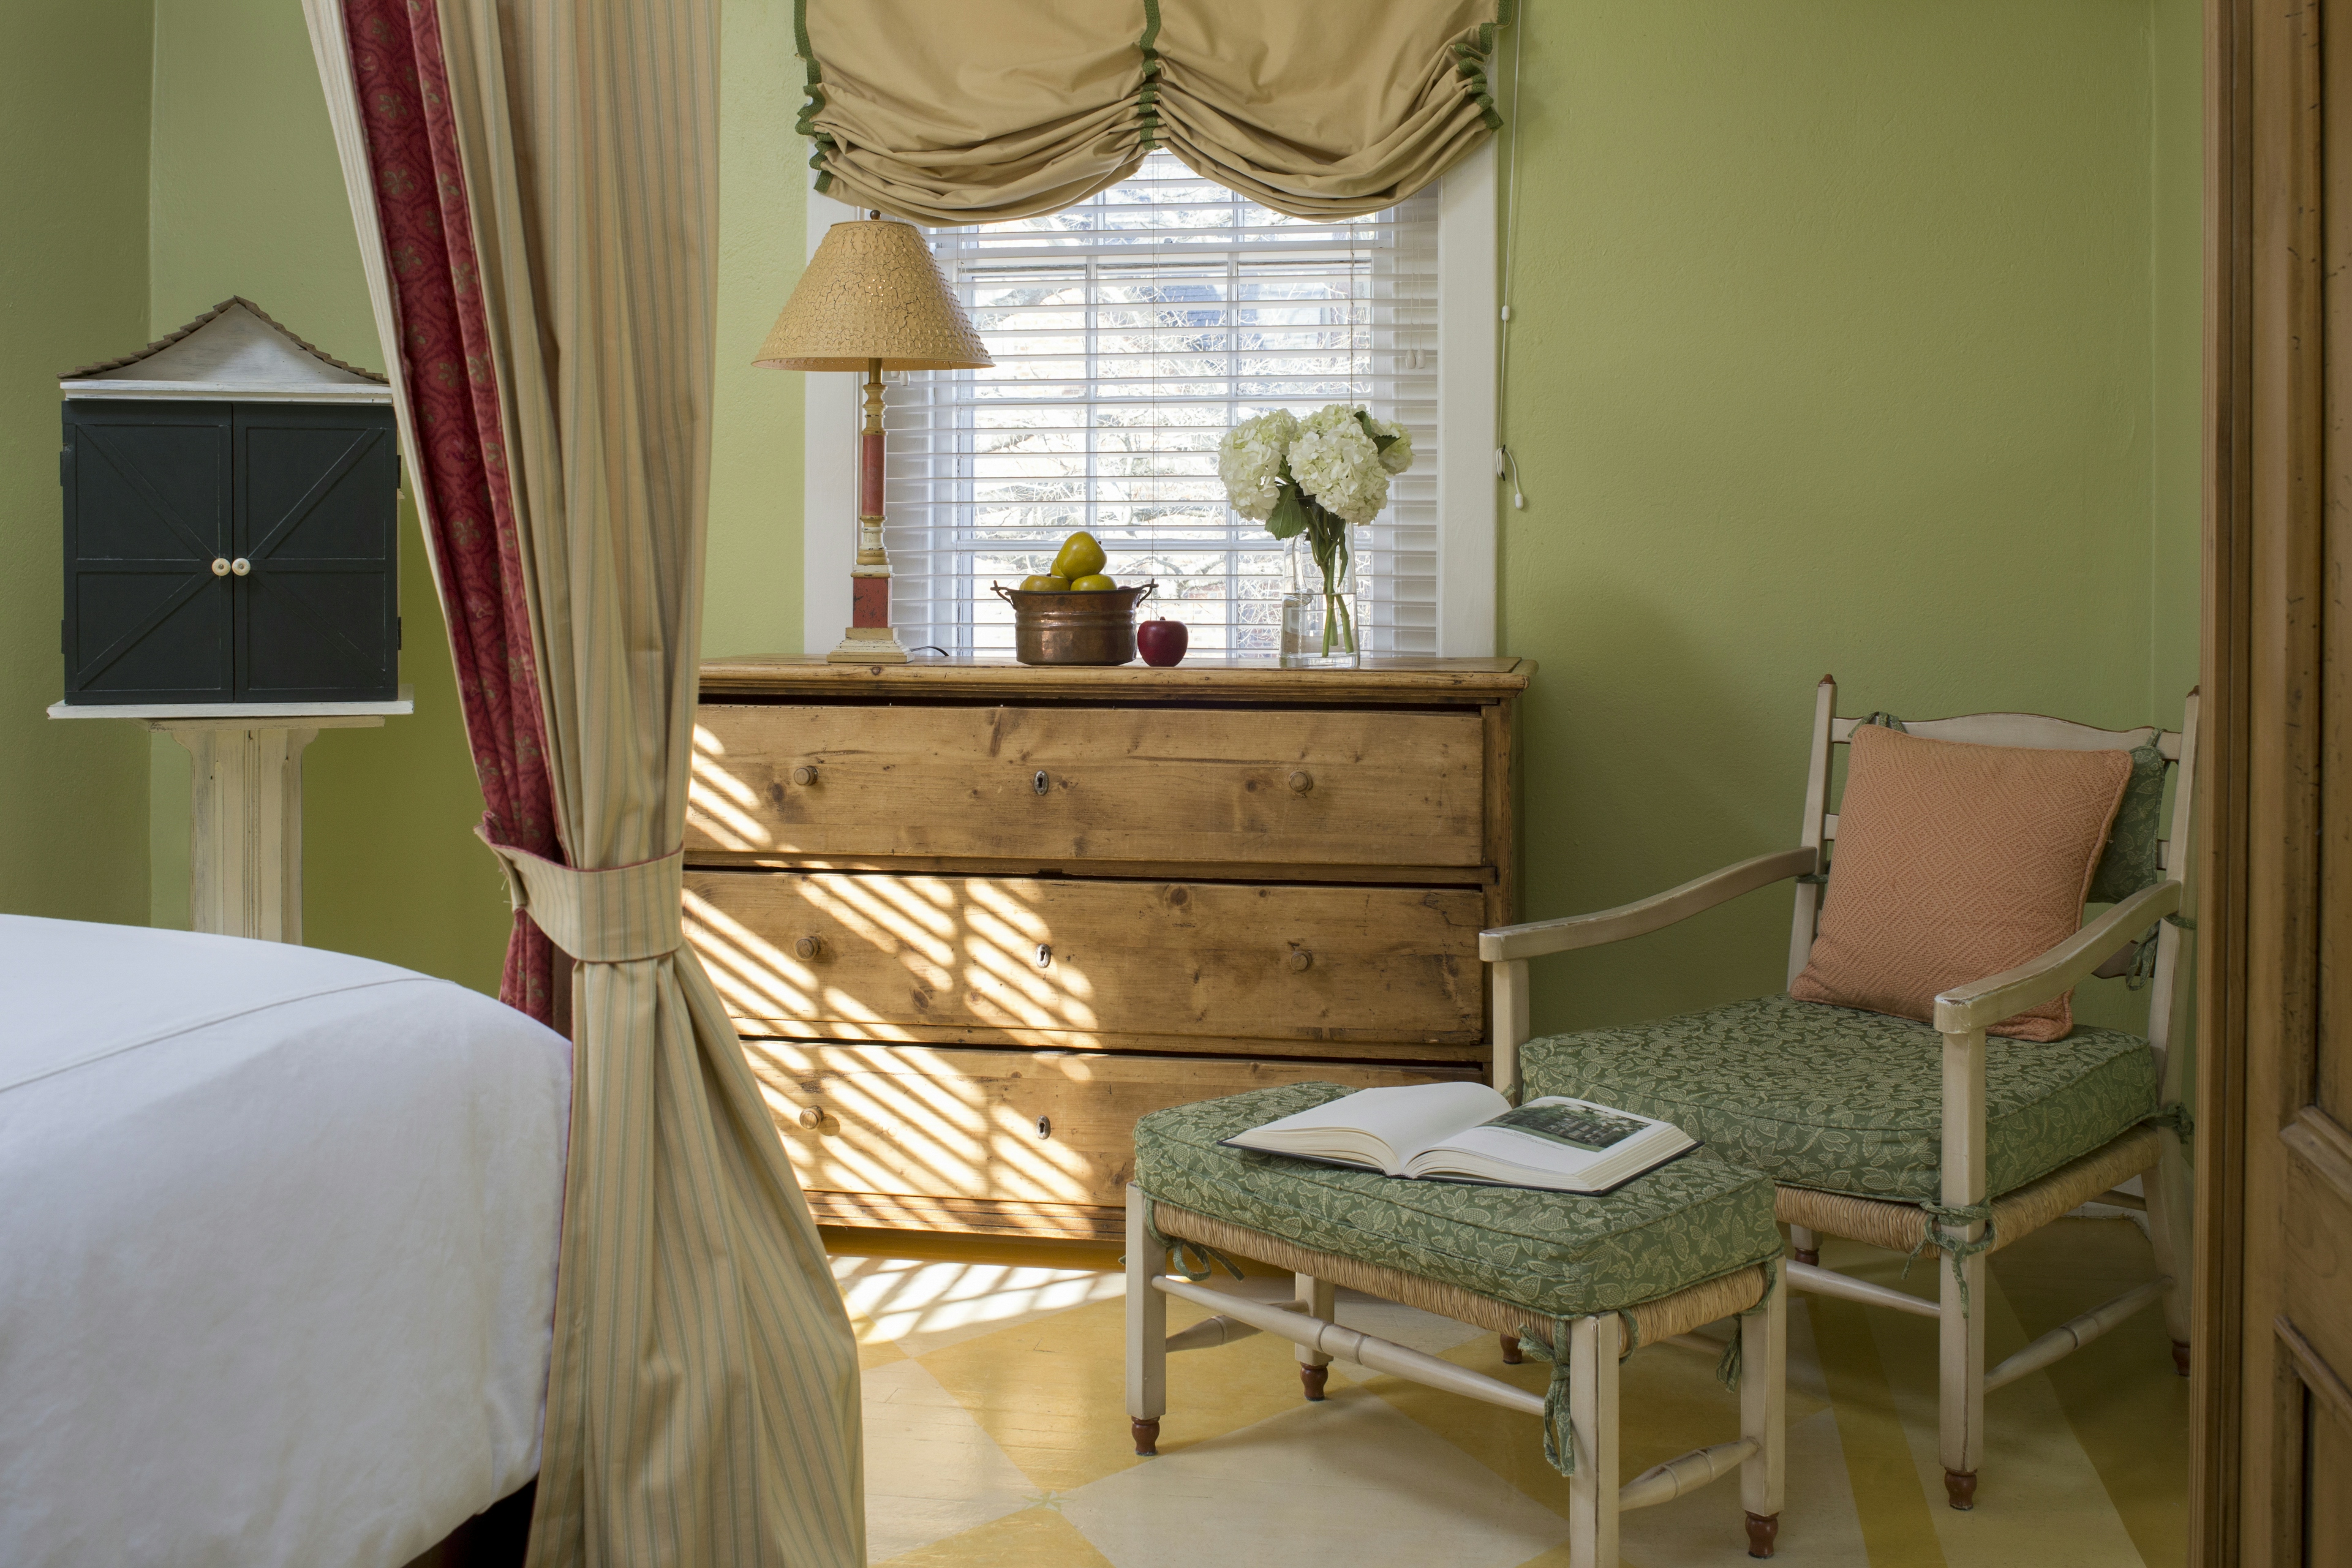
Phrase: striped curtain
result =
(535, 186)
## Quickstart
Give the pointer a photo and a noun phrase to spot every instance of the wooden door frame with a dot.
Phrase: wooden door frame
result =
(2218, 1270)
(2274, 221)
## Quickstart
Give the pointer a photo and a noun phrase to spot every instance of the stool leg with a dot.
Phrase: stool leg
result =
(1804, 1246)
(1764, 1412)
(1511, 1356)
(1320, 1298)
(1593, 1346)
(1147, 1330)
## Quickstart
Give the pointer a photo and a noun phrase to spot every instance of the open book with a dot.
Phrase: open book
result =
(1468, 1132)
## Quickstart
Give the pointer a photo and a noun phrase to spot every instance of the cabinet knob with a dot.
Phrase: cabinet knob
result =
(1041, 783)
(1301, 782)
(804, 774)
(220, 566)
(241, 566)
(807, 947)
(1301, 961)
(812, 1118)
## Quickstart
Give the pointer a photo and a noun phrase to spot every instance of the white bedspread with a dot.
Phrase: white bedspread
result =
(277, 1236)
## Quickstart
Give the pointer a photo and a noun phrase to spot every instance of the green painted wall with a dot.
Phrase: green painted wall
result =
(248, 199)
(73, 275)
(1848, 337)
(752, 586)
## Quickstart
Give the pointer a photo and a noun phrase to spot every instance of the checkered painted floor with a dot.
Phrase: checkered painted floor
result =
(995, 1435)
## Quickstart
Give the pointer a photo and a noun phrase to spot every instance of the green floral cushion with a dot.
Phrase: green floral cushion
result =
(1554, 1253)
(2129, 863)
(1826, 1097)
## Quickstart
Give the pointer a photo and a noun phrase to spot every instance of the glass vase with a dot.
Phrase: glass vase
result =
(1318, 603)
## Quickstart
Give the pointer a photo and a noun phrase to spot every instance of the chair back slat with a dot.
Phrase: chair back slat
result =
(2037, 729)
(1808, 832)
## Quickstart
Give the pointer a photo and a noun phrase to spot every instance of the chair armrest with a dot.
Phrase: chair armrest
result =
(1987, 1002)
(1538, 937)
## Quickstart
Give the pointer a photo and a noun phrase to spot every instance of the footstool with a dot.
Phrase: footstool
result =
(1581, 1281)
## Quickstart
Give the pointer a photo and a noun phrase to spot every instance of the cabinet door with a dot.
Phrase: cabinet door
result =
(315, 524)
(146, 516)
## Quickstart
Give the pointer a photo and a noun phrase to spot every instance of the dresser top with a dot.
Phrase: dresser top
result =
(1204, 678)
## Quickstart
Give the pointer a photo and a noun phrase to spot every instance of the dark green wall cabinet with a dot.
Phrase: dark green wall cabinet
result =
(228, 540)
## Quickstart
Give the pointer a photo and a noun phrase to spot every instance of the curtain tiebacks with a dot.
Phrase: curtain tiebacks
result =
(616, 916)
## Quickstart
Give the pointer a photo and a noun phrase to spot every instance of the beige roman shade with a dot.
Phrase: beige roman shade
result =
(986, 110)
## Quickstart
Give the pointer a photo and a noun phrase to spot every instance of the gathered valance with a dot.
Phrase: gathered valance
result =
(980, 110)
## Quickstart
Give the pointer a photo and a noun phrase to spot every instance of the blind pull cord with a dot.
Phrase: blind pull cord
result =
(1506, 462)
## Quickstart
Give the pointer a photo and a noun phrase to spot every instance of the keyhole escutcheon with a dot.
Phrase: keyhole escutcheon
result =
(1041, 783)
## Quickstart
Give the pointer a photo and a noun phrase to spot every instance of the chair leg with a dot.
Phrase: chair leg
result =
(1960, 1381)
(1805, 1245)
(1320, 1297)
(1147, 1331)
(1959, 1391)
(2169, 1219)
(1764, 1412)
(1593, 1344)
(1511, 1356)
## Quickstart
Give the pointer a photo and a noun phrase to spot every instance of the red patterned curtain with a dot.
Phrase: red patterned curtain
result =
(459, 452)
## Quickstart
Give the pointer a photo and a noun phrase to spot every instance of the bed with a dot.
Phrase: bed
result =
(277, 1243)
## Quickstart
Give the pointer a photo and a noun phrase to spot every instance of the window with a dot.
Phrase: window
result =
(1131, 332)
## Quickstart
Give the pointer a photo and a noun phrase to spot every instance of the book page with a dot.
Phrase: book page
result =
(1554, 1141)
(1404, 1119)
(1575, 1123)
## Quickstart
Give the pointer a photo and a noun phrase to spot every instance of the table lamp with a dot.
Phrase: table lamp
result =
(872, 299)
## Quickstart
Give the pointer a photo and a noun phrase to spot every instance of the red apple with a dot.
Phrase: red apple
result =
(1162, 642)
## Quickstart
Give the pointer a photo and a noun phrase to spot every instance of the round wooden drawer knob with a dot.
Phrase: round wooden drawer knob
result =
(804, 775)
(812, 1118)
(807, 947)
(1301, 782)
(1301, 961)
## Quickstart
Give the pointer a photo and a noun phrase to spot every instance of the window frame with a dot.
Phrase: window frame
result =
(1467, 319)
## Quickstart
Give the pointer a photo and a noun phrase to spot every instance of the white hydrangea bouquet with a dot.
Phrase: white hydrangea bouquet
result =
(1314, 476)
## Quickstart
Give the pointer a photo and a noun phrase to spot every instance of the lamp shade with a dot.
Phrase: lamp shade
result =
(872, 292)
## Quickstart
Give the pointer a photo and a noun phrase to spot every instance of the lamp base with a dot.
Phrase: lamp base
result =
(868, 644)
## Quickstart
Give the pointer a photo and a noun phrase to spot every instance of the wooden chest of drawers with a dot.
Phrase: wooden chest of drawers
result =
(974, 919)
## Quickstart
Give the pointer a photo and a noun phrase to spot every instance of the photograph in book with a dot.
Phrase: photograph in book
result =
(1468, 1132)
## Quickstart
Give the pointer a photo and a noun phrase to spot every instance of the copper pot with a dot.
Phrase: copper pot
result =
(1072, 628)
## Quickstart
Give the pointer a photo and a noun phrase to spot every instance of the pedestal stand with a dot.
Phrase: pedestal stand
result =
(245, 840)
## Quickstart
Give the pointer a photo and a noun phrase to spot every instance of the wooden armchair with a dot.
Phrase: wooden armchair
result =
(2056, 1125)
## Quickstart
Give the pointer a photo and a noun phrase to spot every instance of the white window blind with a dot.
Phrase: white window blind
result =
(1131, 332)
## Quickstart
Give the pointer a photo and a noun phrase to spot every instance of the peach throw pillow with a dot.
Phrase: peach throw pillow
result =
(1953, 863)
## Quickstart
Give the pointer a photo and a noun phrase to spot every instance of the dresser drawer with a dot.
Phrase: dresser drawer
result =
(1046, 960)
(1331, 786)
(926, 1122)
